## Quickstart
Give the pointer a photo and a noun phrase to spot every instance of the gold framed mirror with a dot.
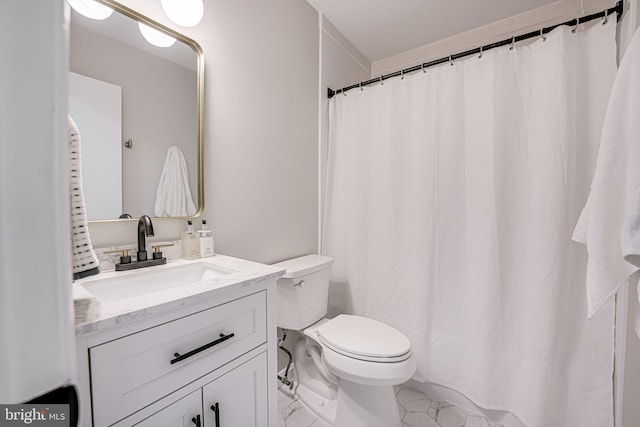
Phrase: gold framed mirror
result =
(139, 109)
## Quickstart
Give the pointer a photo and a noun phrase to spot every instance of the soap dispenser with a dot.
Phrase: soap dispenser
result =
(190, 243)
(207, 247)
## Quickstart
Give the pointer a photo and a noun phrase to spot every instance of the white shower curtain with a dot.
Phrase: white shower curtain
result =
(451, 198)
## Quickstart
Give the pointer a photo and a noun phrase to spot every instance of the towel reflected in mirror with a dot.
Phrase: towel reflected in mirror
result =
(173, 196)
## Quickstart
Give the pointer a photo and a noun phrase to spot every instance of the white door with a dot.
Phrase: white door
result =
(186, 412)
(96, 107)
(239, 397)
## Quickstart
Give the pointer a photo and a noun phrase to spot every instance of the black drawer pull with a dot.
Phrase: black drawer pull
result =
(179, 357)
(216, 410)
(196, 421)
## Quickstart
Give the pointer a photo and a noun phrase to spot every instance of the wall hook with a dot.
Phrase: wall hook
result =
(128, 143)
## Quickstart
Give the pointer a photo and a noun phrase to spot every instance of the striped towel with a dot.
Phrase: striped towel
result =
(83, 259)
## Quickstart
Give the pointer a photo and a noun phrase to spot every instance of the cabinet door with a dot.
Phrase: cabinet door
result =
(186, 412)
(239, 396)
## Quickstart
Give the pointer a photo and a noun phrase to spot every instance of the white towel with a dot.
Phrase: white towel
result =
(83, 259)
(610, 222)
(173, 197)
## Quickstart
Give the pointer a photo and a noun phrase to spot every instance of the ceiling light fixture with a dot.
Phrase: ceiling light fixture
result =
(187, 13)
(155, 37)
(91, 9)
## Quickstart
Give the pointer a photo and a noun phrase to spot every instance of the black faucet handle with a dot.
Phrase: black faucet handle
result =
(157, 253)
(125, 258)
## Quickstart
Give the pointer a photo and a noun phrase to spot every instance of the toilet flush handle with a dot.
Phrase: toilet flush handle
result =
(299, 284)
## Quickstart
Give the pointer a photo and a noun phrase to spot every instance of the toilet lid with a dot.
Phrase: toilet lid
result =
(364, 338)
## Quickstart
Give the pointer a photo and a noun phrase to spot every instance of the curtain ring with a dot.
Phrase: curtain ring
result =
(576, 27)
(450, 60)
(401, 74)
(513, 40)
(381, 81)
(361, 86)
(480, 56)
(606, 17)
(544, 38)
(423, 69)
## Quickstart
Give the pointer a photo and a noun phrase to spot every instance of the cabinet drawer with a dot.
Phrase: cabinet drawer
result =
(132, 372)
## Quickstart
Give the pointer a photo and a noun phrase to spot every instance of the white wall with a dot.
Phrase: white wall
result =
(261, 129)
(36, 330)
(340, 64)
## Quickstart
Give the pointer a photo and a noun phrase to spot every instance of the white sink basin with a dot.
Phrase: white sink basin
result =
(124, 285)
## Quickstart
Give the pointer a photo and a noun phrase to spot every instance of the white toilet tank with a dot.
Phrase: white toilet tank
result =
(303, 291)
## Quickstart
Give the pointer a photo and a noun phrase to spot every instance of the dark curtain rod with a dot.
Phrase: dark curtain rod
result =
(618, 8)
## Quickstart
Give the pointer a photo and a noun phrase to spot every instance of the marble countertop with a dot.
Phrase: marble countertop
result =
(93, 315)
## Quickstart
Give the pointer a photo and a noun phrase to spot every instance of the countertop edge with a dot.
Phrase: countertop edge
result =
(107, 316)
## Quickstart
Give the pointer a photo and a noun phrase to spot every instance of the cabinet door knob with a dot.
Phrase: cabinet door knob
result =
(196, 421)
(216, 410)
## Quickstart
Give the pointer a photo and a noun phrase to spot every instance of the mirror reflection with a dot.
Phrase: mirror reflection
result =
(137, 108)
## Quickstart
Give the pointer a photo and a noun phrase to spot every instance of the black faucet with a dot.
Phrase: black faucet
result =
(145, 228)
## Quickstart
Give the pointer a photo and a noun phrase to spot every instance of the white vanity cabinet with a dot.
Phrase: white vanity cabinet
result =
(170, 367)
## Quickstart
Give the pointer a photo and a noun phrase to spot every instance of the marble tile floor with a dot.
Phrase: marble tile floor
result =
(416, 410)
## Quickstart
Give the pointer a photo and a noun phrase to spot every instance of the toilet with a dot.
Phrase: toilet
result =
(345, 367)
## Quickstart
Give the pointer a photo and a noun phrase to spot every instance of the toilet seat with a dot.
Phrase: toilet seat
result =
(367, 372)
(363, 351)
(364, 339)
